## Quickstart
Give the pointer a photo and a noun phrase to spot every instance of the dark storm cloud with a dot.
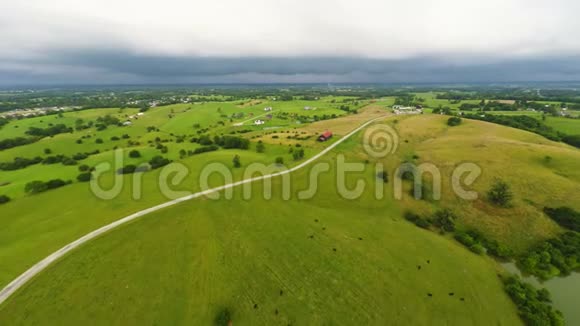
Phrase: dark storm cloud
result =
(108, 66)
(172, 66)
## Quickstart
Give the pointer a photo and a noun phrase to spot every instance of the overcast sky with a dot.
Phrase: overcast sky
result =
(234, 41)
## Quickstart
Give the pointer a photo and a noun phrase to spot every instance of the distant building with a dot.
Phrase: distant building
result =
(268, 108)
(127, 123)
(407, 110)
(259, 122)
(325, 136)
(307, 108)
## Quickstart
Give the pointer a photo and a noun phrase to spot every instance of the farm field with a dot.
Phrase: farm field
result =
(57, 222)
(561, 124)
(567, 126)
(170, 123)
(323, 260)
(256, 260)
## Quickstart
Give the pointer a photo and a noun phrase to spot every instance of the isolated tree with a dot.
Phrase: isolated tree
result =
(260, 147)
(279, 160)
(444, 219)
(182, 153)
(84, 177)
(134, 154)
(158, 161)
(500, 194)
(4, 199)
(47, 151)
(84, 168)
(454, 121)
(298, 154)
(236, 161)
(79, 123)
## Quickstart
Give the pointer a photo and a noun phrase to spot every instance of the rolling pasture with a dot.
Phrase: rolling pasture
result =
(170, 122)
(323, 260)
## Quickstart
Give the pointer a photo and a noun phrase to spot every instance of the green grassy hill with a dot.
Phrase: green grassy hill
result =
(325, 260)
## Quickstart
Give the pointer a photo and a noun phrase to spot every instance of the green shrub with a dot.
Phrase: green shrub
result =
(4, 199)
(69, 161)
(500, 194)
(128, 169)
(205, 149)
(417, 220)
(134, 154)
(85, 177)
(534, 306)
(553, 257)
(454, 121)
(158, 161)
(84, 168)
(260, 148)
(298, 154)
(477, 248)
(35, 187)
(445, 220)
(236, 161)
(565, 217)
(573, 140)
(464, 238)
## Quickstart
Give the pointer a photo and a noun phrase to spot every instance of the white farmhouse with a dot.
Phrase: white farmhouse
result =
(407, 110)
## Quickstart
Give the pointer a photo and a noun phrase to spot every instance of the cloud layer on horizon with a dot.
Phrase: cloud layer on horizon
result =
(92, 42)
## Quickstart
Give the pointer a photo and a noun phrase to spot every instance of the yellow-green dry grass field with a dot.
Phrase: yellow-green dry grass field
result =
(324, 260)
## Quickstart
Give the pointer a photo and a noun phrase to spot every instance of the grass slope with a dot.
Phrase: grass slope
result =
(189, 263)
(516, 156)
